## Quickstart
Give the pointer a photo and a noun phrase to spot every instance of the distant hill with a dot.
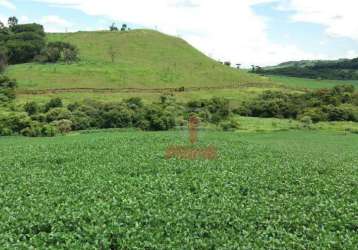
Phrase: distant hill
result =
(131, 59)
(300, 64)
(343, 69)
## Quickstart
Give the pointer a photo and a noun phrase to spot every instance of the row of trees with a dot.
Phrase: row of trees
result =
(114, 27)
(54, 117)
(337, 104)
(22, 43)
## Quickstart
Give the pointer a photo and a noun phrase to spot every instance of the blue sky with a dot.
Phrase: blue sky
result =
(261, 32)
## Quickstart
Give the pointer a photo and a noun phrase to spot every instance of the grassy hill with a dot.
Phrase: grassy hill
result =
(144, 59)
(147, 64)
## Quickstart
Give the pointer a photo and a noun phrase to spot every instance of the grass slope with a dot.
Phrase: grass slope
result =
(144, 59)
(284, 190)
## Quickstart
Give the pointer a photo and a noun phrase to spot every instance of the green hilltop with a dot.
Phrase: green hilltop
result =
(132, 59)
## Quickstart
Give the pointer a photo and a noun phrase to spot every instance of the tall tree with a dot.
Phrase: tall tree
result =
(113, 27)
(13, 21)
(124, 27)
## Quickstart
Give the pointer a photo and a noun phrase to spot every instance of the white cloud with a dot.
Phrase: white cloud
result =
(7, 4)
(55, 24)
(338, 17)
(351, 54)
(24, 19)
(3, 19)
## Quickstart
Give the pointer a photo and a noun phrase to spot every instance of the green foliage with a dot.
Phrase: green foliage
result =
(63, 125)
(39, 130)
(115, 190)
(213, 110)
(12, 22)
(70, 55)
(56, 114)
(56, 51)
(24, 42)
(124, 27)
(7, 89)
(307, 121)
(31, 108)
(3, 59)
(336, 104)
(54, 103)
(230, 125)
(130, 113)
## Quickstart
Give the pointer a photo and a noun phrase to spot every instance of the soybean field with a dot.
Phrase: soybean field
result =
(116, 190)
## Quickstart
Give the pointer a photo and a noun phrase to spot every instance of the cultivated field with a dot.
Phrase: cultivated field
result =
(115, 190)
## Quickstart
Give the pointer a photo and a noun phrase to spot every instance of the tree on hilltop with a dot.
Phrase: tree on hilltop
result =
(124, 27)
(113, 27)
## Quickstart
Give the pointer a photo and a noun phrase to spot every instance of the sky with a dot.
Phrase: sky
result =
(259, 32)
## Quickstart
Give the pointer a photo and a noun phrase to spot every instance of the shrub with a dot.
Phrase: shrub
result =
(15, 121)
(53, 103)
(40, 117)
(3, 60)
(64, 126)
(70, 55)
(80, 121)
(7, 89)
(31, 108)
(316, 114)
(307, 121)
(134, 103)
(117, 117)
(158, 119)
(49, 55)
(56, 51)
(56, 114)
(230, 125)
(39, 130)
(5, 132)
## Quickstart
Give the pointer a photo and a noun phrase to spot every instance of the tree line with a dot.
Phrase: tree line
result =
(34, 119)
(337, 104)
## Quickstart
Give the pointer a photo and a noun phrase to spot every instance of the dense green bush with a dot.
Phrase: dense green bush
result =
(53, 116)
(53, 103)
(336, 104)
(3, 59)
(56, 114)
(230, 125)
(56, 51)
(213, 110)
(31, 108)
(37, 129)
(24, 42)
(7, 89)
